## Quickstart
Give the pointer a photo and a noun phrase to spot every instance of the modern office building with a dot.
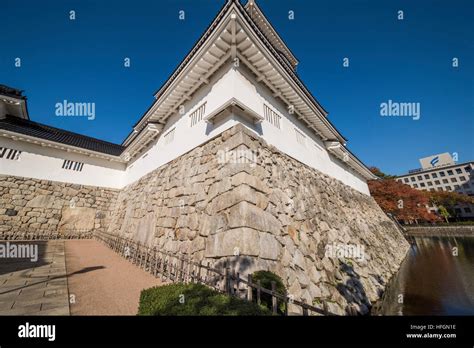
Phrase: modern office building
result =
(440, 173)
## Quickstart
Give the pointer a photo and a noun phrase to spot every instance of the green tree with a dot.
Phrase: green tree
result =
(444, 213)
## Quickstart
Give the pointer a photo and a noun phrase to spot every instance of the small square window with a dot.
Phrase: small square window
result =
(454, 180)
(450, 172)
(442, 174)
(458, 170)
(437, 182)
(434, 175)
(422, 184)
(415, 186)
(445, 181)
(419, 177)
(412, 178)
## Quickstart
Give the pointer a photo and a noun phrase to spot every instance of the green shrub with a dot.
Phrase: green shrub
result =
(194, 299)
(266, 278)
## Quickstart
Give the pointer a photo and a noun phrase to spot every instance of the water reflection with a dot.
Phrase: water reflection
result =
(436, 278)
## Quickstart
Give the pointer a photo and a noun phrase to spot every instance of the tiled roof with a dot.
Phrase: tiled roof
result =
(38, 130)
(11, 92)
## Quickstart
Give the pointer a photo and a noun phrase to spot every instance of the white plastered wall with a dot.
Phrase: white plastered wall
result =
(227, 83)
(240, 84)
(45, 163)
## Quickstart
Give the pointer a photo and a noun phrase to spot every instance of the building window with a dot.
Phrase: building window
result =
(427, 176)
(467, 210)
(458, 170)
(300, 138)
(458, 210)
(406, 179)
(422, 184)
(448, 188)
(73, 165)
(442, 174)
(454, 180)
(450, 172)
(456, 187)
(430, 183)
(419, 177)
(437, 182)
(197, 114)
(467, 169)
(271, 116)
(415, 186)
(10, 154)
(412, 178)
(169, 137)
(434, 175)
(462, 178)
(445, 181)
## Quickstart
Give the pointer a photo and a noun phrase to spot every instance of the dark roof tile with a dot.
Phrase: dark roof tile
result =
(38, 130)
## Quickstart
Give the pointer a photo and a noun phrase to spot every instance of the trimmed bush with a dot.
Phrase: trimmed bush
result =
(194, 299)
(266, 278)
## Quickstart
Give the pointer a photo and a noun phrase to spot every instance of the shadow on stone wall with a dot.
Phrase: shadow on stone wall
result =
(353, 291)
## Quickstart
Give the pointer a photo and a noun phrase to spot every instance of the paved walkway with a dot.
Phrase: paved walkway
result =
(34, 287)
(77, 277)
(101, 281)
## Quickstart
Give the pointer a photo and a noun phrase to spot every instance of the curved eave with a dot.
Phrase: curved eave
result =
(272, 35)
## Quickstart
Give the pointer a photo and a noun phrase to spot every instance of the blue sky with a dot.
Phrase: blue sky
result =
(389, 59)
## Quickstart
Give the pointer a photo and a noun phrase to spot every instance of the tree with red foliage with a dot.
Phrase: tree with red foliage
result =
(403, 202)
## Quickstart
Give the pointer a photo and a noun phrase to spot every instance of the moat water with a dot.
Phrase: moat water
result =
(436, 278)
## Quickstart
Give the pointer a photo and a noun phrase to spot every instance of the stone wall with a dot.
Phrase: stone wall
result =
(39, 207)
(239, 200)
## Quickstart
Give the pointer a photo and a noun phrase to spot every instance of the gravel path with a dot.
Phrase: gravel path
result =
(102, 282)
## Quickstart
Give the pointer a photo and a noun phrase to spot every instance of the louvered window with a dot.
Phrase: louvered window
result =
(271, 116)
(300, 138)
(10, 154)
(73, 165)
(169, 137)
(197, 114)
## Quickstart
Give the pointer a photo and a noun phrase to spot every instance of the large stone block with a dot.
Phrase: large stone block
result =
(239, 241)
(269, 247)
(46, 202)
(248, 215)
(76, 219)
